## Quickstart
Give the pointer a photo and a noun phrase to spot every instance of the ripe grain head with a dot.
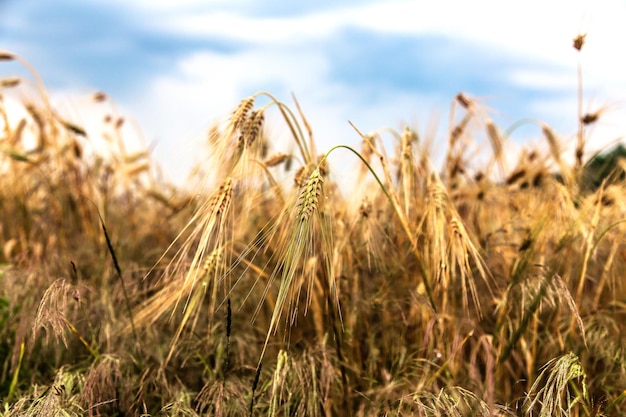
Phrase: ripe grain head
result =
(241, 113)
(579, 41)
(6, 56)
(309, 197)
(277, 159)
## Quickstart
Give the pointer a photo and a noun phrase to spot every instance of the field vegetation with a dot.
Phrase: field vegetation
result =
(463, 288)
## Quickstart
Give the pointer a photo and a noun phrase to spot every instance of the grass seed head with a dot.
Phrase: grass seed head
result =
(494, 136)
(464, 101)
(590, 118)
(251, 127)
(77, 149)
(6, 56)
(300, 176)
(515, 176)
(538, 179)
(553, 142)
(459, 129)
(223, 198)
(309, 197)
(99, 97)
(240, 114)
(408, 137)
(276, 159)
(579, 41)
(10, 82)
(365, 209)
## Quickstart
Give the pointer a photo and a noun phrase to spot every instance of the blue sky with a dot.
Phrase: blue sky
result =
(175, 67)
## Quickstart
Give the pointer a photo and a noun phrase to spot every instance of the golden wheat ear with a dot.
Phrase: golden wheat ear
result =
(187, 282)
(451, 253)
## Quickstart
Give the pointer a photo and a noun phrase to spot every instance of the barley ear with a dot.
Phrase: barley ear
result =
(309, 197)
(240, 114)
(6, 56)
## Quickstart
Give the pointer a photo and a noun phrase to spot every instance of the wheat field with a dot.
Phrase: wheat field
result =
(277, 287)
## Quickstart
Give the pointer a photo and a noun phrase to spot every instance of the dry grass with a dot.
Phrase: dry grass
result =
(271, 289)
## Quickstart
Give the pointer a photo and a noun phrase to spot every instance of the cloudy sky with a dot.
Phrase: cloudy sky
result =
(176, 66)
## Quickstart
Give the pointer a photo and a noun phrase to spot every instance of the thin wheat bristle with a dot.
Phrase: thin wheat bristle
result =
(309, 197)
(213, 135)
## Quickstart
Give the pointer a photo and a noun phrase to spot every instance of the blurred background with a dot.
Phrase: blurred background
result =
(173, 68)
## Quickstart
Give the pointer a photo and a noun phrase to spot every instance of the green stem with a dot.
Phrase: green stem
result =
(16, 374)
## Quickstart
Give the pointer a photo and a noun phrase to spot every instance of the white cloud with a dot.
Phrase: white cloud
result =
(546, 80)
(535, 31)
(285, 56)
(207, 86)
